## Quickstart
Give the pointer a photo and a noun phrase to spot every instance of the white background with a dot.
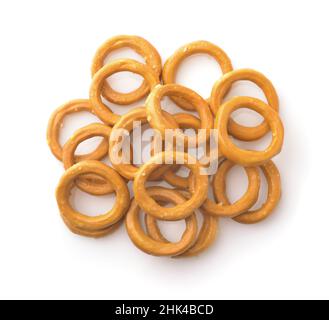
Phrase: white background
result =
(45, 57)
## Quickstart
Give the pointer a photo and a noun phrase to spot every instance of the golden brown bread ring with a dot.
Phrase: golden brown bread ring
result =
(154, 247)
(55, 124)
(244, 203)
(126, 122)
(181, 211)
(92, 184)
(143, 48)
(242, 156)
(158, 121)
(100, 222)
(222, 87)
(172, 64)
(206, 237)
(98, 81)
(272, 176)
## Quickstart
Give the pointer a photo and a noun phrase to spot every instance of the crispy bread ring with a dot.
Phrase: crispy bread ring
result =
(156, 116)
(154, 247)
(206, 237)
(143, 48)
(100, 222)
(242, 156)
(222, 87)
(54, 126)
(247, 200)
(98, 82)
(126, 123)
(182, 210)
(272, 176)
(92, 184)
(172, 64)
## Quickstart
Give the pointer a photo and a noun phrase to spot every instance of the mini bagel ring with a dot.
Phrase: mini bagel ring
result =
(182, 210)
(92, 184)
(143, 48)
(160, 248)
(171, 66)
(156, 116)
(99, 107)
(272, 176)
(100, 222)
(248, 157)
(54, 126)
(222, 87)
(244, 203)
(206, 237)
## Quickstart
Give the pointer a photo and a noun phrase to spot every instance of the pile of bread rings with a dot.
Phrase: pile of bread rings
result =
(190, 194)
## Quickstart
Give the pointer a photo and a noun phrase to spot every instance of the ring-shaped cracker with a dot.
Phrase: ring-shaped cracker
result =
(222, 87)
(154, 247)
(242, 156)
(55, 124)
(92, 184)
(140, 46)
(95, 93)
(80, 220)
(206, 237)
(244, 203)
(158, 121)
(126, 122)
(198, 47)
(272, 176)
(181, 211)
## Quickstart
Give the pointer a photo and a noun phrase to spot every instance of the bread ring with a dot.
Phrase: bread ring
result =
(92, 184)
(99, 78)
(172, 64)
(126, 123)
(182, 210)
(54, 126)
(160, 248)
(272, 176)
(85, 222)
(156, 116)
(205, 238)
(222, 87)
(248, 157)
(143, 48)
(244, 203)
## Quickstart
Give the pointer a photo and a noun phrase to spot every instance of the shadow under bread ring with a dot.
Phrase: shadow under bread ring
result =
(205, 238)
(140, 46)
(181, 211)
(222, 87)
(250, 197)
(90, 183)
(95, 93)
(155, 247)
(198, 47)
(242, 156)
(272, 176)
(80, 220)
(55, 123)
(158, 121)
